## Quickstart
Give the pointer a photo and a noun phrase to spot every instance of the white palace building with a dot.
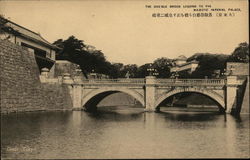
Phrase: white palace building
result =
(180, 64)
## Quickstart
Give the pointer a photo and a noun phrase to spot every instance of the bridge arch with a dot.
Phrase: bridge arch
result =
(211, 94)
(103, 92)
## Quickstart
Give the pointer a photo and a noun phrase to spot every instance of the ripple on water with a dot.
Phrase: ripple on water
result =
(120, 132)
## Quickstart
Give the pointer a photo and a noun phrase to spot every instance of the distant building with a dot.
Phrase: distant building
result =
(241, 70)
(43, 50)
(94, 75)
(180, 64)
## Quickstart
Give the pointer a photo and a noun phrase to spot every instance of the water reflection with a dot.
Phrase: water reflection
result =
(190, 116)
(123, 132)
(117, 114)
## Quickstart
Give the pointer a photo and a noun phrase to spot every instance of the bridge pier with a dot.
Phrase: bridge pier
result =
(231, 93)
(150, 94)
(75, 91)
(77, 97)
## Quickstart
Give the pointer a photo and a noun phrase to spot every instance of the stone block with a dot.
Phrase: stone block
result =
(21, 89)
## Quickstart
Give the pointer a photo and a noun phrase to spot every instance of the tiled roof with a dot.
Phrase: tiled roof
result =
(181, 57)
(187, 63)
(28, 34)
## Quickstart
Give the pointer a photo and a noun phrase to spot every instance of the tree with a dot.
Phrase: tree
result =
(162, 65)
(208, 63)
(142, 70)
(87, 57)
(116, 70)
(71, 48)
(5, 29)
(131, 69)
(3, 21)
(240, 54)
(59, 43)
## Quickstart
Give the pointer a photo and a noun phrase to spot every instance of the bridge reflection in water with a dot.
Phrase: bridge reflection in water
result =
(123, 132)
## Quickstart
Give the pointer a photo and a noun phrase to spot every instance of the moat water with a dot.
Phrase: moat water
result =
(124, 132)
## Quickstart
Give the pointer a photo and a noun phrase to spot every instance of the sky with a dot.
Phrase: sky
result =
(127, 32)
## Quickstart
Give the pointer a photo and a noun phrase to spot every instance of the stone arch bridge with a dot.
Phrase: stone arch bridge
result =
(150, 92)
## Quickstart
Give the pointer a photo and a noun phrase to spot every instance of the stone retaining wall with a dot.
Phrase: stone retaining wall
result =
(245, 108)
(21, 89)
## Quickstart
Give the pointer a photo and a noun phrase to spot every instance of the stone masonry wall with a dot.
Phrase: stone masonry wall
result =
(63, 66)
(20, 88)
(239, 69)
(245, 108)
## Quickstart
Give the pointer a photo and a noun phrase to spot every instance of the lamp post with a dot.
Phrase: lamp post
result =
(93, 74)
(78, 70)
(176, 75)
(150, 70)
(228, 72)
(231, 70)
(223, 73)
(155, 73)
(77, 76)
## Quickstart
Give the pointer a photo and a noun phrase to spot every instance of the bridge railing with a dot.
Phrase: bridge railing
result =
(191, 81)
(51, 80)
(158, 81)
(239, 81)
(111, 81)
